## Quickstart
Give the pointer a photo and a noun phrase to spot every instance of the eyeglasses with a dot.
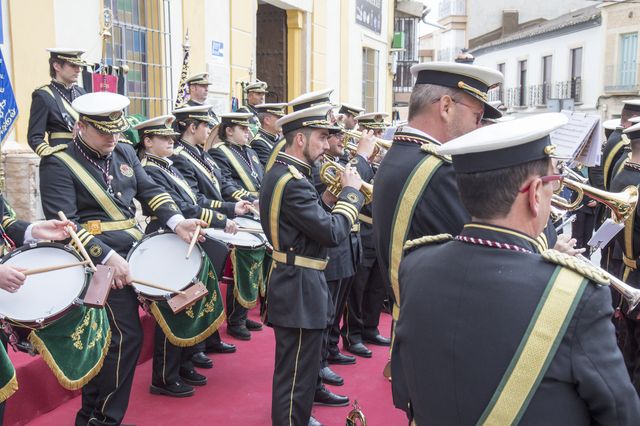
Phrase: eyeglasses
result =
(556, 181)
(478, 115)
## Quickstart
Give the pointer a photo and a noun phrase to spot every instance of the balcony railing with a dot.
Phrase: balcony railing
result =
(403, 81)
(537, 94)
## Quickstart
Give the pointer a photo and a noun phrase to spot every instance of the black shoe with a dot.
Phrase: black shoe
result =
(359, 349)
(325, 397)
(200, 360)
(191, 377)
(177, 390)
(377, 340)
(314, 422)
(341, 359)
(329, 377)
(220, 348)
(240, 332)
(253, 325)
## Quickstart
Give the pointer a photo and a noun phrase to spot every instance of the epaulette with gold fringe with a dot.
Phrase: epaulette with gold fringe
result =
(295, 172)
(432, 149)
(49, 150)
(625, 139)
(581, 267)
(127, 141)
(427, 239)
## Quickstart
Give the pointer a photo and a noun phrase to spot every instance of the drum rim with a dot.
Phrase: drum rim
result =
(46, 321)
(156, 297)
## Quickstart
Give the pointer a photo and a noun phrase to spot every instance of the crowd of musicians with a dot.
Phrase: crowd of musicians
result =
(497, 318)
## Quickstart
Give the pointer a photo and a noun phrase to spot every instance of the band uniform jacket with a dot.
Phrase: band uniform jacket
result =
(439, 210)
(298, 296)
(611, 154)
(458, 331)
(13, 227)
(169, 178)
(345, 257)
(45, 115)
(263, 144)
(239, 163)
(629, 175)
(205, 178)
(61, 190)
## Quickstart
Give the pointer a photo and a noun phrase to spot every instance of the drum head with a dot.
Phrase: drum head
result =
(241, 239)
(47, 294)
(160, 258)
(245, 222)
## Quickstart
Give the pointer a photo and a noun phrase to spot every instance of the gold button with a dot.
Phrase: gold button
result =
(119, 194)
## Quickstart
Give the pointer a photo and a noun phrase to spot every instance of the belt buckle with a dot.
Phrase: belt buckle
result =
(94, 227)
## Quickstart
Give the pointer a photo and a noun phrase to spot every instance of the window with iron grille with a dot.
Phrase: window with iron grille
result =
(141, 39)
(403, 81)
(369, 79)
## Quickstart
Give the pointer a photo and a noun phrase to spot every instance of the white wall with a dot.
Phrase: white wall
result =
(217, 18)
(591, 42)
(486, 15)
(85, 34)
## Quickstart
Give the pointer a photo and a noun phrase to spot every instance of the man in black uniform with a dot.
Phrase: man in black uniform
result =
(239, 163)
(94, 181)
(366, 296)
(255, 94)
(300, 230)
(51, 111)
(500, 334)
(198, 91)
(348, 114)
(206, 180)
(415, 192)
(269, 133)
(627, 244)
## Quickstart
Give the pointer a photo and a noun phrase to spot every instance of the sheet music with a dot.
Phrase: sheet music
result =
(579, 139)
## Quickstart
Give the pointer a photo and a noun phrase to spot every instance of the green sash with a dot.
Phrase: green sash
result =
(97, 191)
(244, 177)
(74, 346)
(247, 275)
(197, 322)
(8, 381)
(537, 348)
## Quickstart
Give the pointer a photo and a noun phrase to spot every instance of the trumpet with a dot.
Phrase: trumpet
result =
(630, 294)
(352, 147)
(330, 173)
(622, 204)
(356, 416)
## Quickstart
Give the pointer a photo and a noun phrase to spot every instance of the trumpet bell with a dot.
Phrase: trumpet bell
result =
(330, 173)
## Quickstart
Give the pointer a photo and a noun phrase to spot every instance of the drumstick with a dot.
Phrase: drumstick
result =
(193, 241)
(54, 268)
(249, 230)
(254, 211)
(75, 238)
(159, 287)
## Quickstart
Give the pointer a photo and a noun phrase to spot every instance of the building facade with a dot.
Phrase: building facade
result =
(293, 45)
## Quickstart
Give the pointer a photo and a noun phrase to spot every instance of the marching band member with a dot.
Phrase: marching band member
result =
(299, 229)
(368, 291)
(198, 85)
(240, 163)
(269, 133)
(172, 372)
(205, 179)
(51, 111)
(255, 95)
(538, 325)
(348, 114)
(94, 181)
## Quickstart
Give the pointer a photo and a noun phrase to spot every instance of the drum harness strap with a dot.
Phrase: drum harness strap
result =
(246, 180)
(96, 227)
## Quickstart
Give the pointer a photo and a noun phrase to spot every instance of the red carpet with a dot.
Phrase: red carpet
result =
(238, 393)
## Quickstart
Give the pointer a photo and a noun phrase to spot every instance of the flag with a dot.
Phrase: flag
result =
(8, 105)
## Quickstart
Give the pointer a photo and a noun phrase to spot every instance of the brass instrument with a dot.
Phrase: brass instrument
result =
(380, 143)
(182, 86)
(622, 204)
(330, 173)
(630, 294)
(356, 416)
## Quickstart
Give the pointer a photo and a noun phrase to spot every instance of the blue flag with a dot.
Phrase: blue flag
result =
(8, 105)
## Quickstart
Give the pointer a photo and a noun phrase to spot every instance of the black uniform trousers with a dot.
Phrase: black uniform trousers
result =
(106, 397)
(168, 359)
(236, 313)
(339, 290)
(364, 304)
(295, 375)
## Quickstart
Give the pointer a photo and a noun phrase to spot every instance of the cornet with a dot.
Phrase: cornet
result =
(630, 294)
(353, 147)
(356, 416)
(330, 173)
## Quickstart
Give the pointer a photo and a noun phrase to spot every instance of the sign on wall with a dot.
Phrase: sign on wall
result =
(369, 14)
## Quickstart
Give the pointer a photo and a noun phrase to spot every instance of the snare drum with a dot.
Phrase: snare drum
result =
(246, 222)
(160, 258)
(44, 297)
(241, 239)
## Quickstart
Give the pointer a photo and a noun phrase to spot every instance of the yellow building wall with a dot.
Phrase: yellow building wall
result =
(29, 58)
(388, 104)
(344, 53)
(193, 18)
(319, 45)
(243, 42)
(295, 76)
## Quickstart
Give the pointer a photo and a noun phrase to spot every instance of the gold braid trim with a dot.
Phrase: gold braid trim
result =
(44, 150)
(10, 388)
(179, 341)
(64, 381)
(427, 239)
(432, 149)
(583, 268)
